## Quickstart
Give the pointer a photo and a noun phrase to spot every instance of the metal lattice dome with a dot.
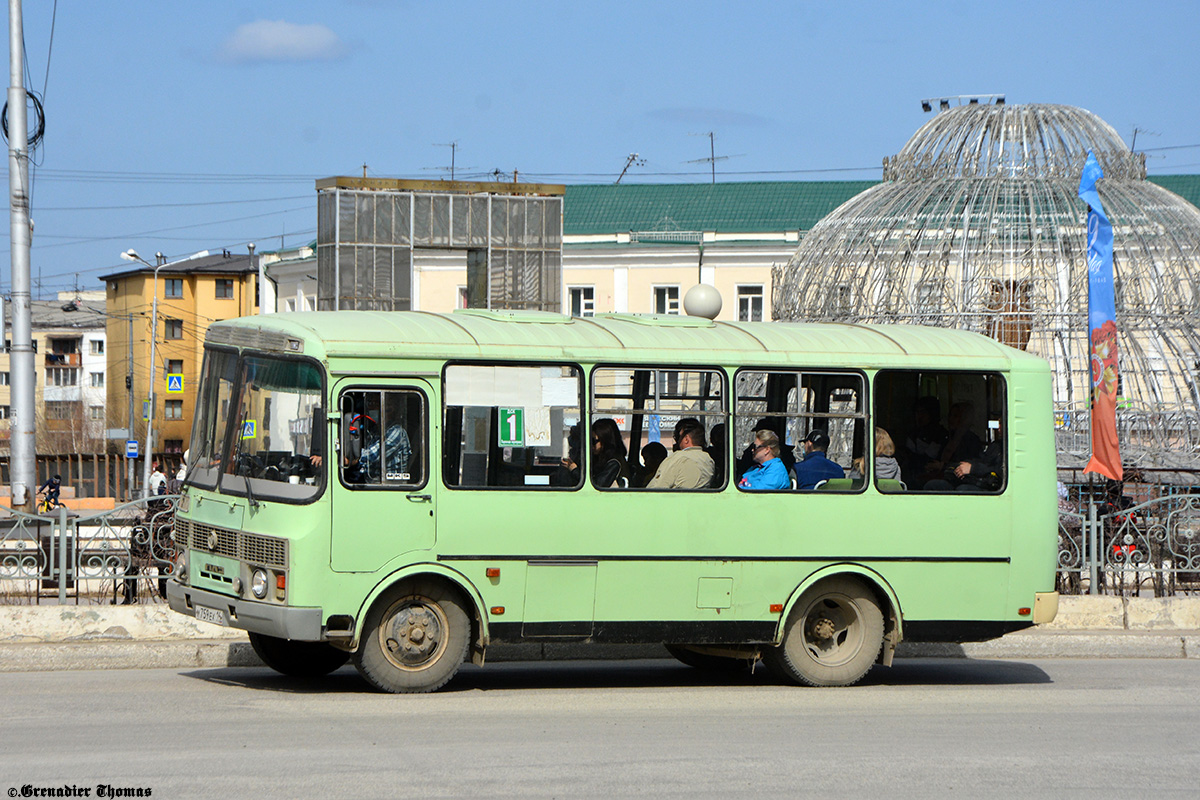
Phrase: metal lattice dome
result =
(977, 225)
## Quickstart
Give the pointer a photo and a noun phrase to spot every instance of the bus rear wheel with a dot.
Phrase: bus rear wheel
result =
(833, 635)
(414, 640)
(298, 659)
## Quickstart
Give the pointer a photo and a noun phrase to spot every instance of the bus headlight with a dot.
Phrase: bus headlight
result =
(258, 583)
(181, 566)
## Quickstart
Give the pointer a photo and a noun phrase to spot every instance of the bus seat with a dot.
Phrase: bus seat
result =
(890, 485)
(836, 485)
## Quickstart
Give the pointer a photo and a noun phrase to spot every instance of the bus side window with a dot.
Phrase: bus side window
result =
(827, 408)
(513, 427)
(947, 430)
(382, 438)
(641, 406)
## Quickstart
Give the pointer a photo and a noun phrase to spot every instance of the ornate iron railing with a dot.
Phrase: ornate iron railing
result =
(118, 556)
(1107, 545)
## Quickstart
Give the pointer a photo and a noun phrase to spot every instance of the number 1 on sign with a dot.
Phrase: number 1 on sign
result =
(512, 427)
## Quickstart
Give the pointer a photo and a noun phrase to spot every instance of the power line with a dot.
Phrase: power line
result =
(177, 205)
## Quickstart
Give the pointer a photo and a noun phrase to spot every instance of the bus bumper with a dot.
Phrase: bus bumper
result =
(299, 624)
(1045, 607)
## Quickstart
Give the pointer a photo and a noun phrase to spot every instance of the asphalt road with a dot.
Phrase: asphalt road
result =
(924, 728)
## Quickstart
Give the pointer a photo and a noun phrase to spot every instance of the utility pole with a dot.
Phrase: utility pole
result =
(132, 409)
(23, 449)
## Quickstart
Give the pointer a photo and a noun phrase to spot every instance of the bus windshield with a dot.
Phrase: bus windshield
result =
(260, 427)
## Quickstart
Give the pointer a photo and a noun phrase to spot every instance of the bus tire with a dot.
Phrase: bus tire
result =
(706, 661)
(833, 635)
(298, 659)
(414, 639)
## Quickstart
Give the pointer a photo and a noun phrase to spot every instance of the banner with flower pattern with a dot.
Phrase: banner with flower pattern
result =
(1102, 322)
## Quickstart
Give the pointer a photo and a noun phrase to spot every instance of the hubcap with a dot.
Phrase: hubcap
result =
(832, 631)
(413, 634)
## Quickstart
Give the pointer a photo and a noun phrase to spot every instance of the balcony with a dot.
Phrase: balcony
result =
(62, 360)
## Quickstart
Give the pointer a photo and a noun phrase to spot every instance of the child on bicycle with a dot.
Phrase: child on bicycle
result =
(51, 487)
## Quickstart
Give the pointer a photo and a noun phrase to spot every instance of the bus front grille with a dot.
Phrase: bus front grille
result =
(267, 551)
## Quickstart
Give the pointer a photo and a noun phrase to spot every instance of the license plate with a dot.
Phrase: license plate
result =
(210, 615)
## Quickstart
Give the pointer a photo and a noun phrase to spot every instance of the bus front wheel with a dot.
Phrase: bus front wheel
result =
(298, 659)
(414, 640)
(833, 635)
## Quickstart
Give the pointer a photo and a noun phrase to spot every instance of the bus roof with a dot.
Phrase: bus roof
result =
(531, 335)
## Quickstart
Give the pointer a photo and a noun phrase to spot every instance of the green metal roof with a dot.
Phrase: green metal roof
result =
(1186, 186)
(764, 206)
(752, 207)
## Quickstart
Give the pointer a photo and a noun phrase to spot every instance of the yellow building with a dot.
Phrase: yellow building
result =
(191, 296)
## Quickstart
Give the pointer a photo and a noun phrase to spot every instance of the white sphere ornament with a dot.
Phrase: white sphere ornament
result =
(702, 300)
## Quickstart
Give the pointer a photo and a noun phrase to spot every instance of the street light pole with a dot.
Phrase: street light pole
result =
(131, 255)
(23, 446)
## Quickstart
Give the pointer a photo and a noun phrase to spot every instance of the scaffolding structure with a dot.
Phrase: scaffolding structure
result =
(977, 225)
(368, 228)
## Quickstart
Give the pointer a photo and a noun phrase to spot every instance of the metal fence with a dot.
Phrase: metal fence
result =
(1110, 544)
(117, 557)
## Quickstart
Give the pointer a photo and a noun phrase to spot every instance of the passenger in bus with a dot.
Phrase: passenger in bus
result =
(983, 473)
(963, 443)
(689, 467)
(716, 451)
(653, 455)
(924, 442)
(816, 466)
(399, 454)
(778, 426)
(886, 465)
(769, 473)
(610, 469)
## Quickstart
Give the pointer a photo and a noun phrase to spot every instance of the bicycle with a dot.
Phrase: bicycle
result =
(48, 504)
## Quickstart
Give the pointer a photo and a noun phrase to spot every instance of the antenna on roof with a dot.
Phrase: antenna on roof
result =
(634, 160)
(713, 158)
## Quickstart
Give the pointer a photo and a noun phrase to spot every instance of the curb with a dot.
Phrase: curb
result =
(209, 654)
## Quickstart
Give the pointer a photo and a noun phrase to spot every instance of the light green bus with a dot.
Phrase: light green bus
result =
(406, 489)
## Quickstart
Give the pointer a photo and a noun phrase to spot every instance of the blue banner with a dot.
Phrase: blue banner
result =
(1102, 323)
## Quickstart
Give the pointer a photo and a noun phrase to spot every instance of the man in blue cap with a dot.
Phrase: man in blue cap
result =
(816, 466)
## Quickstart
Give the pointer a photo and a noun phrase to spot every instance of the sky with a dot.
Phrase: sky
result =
(179, 127)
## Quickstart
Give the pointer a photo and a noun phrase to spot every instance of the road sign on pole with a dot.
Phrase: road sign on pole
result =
(131, 448)
(174, 384)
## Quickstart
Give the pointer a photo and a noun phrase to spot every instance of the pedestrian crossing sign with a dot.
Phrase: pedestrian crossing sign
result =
(175, 384)
(249, 429)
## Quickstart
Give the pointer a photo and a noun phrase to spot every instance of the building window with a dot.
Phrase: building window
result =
(97, 379)
(289, 305)
(95, 412)
(174, 409)
(4, 413)
(224, 288)
(583, 301)
(3, 379)
(173, 445)
(174, 288)
(750, 303)
(174, 366)
(60, 409)
(461, 299)
(174, 329)
(97, 347)
(666, 299)
(62, 376)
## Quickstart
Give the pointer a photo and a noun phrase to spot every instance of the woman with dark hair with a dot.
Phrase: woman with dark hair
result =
(609, 465)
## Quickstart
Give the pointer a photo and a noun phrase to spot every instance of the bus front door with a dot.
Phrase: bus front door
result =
(383, 499)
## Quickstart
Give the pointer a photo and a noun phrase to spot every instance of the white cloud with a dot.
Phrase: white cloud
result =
(277, 40)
